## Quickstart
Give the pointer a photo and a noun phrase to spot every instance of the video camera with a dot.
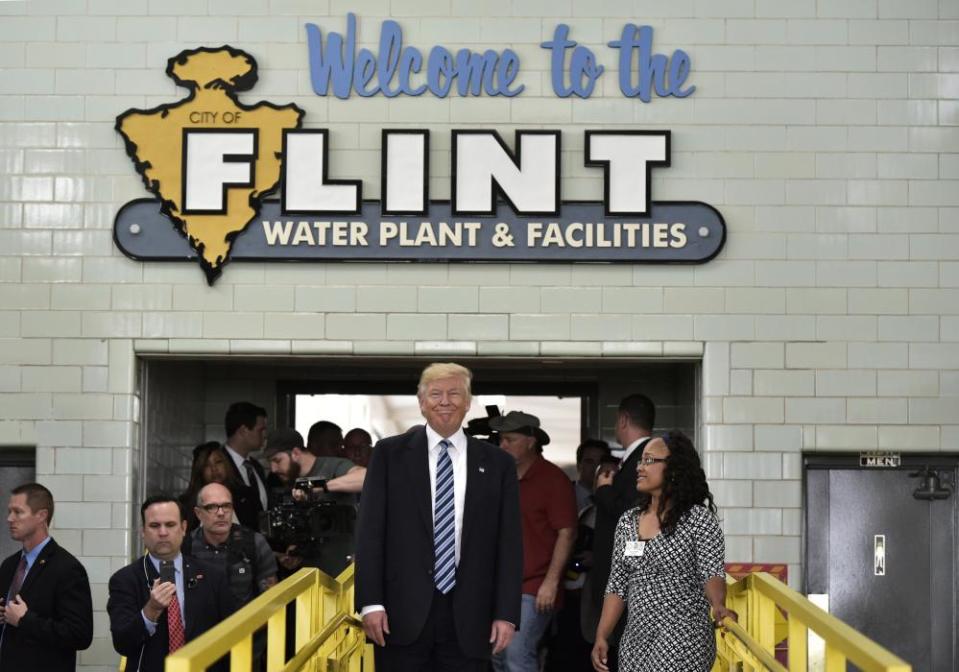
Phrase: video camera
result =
(479, 427)
(306, 516)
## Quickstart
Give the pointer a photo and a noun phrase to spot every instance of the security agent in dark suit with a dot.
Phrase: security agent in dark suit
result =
(438, 563)
(245, 426)
(151, 617)
(613, 496)
(47, 614)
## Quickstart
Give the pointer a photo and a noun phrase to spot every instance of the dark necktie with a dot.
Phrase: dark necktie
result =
(254, 481)
(444, 524)
(15, 587)
(18, 578)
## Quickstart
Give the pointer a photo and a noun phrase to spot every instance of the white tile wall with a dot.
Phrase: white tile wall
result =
(824, 133)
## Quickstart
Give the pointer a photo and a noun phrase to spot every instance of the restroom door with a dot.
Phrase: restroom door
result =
(17, 466)
(886, 559)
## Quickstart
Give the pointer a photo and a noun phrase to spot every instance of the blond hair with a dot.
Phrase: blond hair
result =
(442, 370)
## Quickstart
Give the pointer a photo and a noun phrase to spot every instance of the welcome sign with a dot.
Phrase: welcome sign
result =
(574, 68)
(211, 161)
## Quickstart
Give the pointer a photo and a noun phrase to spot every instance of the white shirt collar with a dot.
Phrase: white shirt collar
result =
(433, 438)
(635, 444)
(235, 456)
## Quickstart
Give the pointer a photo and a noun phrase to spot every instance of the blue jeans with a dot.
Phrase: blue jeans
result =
(521, 655)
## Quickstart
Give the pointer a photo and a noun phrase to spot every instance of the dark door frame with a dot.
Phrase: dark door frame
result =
(851, 461)
(18, 456)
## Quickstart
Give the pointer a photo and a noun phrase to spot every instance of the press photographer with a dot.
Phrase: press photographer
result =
(311, 526)
(242, 553)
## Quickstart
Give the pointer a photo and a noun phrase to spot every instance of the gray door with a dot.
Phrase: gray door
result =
(16, 468)
(905, 600)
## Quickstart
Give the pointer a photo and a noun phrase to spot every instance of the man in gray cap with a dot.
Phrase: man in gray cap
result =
(289, 460)
(279, 456)
(548, 509)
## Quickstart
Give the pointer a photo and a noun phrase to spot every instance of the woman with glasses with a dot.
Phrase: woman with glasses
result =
(667, 567)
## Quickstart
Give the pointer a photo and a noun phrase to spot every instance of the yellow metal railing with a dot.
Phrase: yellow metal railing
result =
(760, 601)
(327, 635)
(329, 638)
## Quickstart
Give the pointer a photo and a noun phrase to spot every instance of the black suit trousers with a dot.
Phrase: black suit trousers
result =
(436, 649)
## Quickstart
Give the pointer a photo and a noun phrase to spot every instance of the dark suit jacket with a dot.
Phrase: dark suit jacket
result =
(246, 498)
(207, 601)
(394, 553)
(612, 501)
(59, 618)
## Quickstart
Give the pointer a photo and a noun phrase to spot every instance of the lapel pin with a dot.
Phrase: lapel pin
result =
(482, 470)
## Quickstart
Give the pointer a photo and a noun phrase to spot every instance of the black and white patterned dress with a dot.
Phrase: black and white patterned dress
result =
(668, 627)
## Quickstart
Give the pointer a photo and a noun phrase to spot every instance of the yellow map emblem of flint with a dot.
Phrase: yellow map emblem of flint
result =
(209, 158)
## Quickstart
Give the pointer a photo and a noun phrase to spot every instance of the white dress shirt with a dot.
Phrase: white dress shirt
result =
(634, 445)
(238, 460)
(457, 453)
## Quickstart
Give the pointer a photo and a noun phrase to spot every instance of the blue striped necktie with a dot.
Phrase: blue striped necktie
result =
(444, 523)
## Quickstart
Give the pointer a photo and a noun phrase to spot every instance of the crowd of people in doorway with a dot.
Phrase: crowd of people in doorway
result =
(468, 555)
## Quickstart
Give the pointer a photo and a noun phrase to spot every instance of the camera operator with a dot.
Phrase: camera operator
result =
(335, 482)
(243, 554)
(289, 460)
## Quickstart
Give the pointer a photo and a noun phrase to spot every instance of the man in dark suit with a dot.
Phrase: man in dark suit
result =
(150, 618)
(46, 615)
(439, 561)
(615, 493)
(245, 425)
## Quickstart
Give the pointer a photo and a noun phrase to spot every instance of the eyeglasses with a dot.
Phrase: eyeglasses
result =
(652, 460)
(213, 508)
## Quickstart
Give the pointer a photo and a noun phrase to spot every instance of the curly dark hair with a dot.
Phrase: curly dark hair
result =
(684, 483)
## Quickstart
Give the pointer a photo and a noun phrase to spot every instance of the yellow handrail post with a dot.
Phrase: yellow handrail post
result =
(798, 640)
(276, 641)
(766, 621)
(835, 661)
(304, 616)
(329, 604)
(752, 599)
(241, 655)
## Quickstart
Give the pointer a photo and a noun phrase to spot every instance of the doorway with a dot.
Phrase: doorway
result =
(383, 415)
(184, 398)
(881, 543)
